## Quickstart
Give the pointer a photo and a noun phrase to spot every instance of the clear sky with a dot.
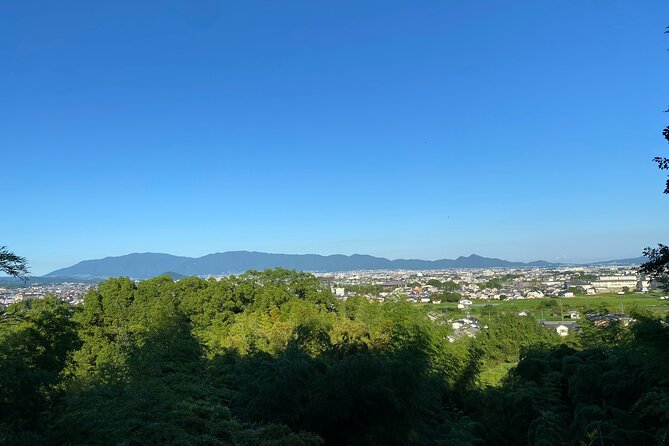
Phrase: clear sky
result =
(427, 129)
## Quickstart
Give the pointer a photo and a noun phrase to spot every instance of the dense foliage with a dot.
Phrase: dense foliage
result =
(270, 358)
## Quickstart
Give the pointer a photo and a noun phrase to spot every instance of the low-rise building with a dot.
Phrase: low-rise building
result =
(607, 284)
(562, 328)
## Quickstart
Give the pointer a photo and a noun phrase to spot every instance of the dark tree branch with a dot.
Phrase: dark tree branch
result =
(657, 265)
(658, 261)
(12, 264)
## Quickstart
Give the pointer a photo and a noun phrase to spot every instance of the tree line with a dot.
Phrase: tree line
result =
(271, 358)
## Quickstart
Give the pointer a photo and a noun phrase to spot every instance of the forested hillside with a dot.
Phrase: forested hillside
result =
(271, 358)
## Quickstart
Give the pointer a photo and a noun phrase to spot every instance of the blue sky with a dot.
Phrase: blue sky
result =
(516, 129)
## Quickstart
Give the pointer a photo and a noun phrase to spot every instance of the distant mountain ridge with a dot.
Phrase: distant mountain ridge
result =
(145, 265)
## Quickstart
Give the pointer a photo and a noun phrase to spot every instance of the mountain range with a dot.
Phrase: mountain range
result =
(145, 265)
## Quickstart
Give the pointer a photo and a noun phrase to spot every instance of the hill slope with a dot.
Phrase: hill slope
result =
(144, 265)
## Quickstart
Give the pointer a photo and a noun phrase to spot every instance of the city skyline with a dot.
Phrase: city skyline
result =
(518, 131)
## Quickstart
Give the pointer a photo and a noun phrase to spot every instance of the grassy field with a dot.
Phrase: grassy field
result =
(549, 308)
(492, 374)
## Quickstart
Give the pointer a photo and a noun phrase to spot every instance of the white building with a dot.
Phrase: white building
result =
(606, 284)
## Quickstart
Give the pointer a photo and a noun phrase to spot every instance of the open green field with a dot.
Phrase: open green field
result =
(550, 308)
(493, 373)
